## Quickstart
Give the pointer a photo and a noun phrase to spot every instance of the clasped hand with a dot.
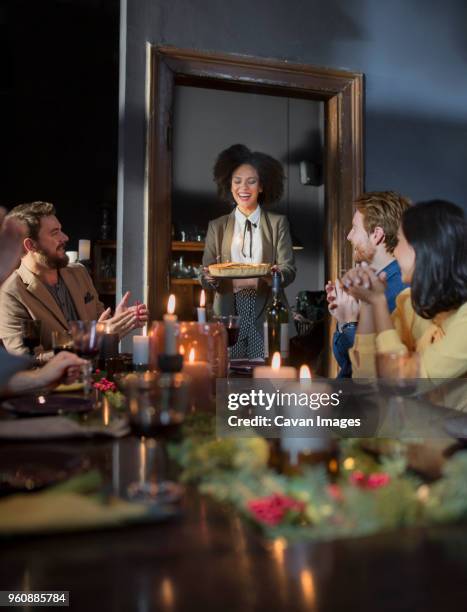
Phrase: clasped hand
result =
(364, 284)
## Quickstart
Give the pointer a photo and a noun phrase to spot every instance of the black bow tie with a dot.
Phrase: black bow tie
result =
(247, 228)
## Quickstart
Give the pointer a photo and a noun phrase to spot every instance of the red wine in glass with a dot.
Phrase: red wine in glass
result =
(232, 335)
(30, 342)
(87, 338)
(31, 332)
(63, 347)
(87, 352)
(232, 327)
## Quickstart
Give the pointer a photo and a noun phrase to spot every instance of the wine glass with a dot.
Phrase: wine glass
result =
(87, 340)
(398, 372)
(232, 327)
(397, 378)
(157, 404)
(31, 332)
(62, 341)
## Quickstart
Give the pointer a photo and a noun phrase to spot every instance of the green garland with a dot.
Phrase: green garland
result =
(368, 496)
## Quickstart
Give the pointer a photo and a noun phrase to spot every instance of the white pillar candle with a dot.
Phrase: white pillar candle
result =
(316, 443)
(141, 349)
(72, 256)
(202, 307)
(84, 250)
(275, 370)
(170, 328)
(200, 374)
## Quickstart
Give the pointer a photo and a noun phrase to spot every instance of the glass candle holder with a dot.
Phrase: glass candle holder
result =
(157, 404)
(208, 341)
(204, 348)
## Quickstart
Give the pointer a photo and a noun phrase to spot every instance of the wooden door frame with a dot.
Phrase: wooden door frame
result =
(342, 95)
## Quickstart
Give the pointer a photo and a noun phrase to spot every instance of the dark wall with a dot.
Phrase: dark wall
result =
(413, 55)
(59, 108)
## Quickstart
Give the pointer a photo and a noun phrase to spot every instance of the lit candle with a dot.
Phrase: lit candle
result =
(202, 307)
(318, 440)
(200, 374)
(275, 370)
(84, 250)
(170, 328)
(305, 374)
(141, 350)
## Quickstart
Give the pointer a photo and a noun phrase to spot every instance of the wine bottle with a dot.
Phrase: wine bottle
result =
(277, 317)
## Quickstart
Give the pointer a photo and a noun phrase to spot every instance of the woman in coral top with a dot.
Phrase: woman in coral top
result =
(430, 319)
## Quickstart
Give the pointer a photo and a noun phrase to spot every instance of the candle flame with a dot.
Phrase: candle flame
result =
(182, 350)
(305, 373)
(276, 361)
(202, 299)
(171, 304)
(191, 356)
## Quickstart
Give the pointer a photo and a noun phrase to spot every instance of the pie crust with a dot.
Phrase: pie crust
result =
(235, 270)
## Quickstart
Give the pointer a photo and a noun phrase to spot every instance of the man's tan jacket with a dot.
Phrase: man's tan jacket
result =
(277, 249)
(23, 296)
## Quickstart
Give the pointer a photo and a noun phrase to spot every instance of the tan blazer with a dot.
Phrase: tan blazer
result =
(23, 296)
(277, 249)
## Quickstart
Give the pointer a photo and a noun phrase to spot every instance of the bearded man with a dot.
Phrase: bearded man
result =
(46, 287)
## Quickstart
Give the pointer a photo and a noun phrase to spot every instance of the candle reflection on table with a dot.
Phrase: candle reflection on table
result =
(167, 593)
(279, 546)
(308, 587)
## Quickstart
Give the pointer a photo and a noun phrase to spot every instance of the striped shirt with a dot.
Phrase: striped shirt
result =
(64, 300)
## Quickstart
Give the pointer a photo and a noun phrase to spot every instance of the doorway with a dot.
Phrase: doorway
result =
(338, 94)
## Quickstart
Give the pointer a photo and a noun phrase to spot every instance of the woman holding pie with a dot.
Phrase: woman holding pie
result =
(249, 236)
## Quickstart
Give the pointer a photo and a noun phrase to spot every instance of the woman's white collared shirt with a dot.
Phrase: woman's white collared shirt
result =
(240, 248)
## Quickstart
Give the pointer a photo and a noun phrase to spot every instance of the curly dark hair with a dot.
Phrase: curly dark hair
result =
(437, 231)
(270, 173)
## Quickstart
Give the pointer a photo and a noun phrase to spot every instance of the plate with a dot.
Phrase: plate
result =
(77, 386)
(457, 427)
(245, 366)
(26, 468)
(47, 405)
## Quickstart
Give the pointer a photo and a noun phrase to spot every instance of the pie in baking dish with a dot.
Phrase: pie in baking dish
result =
(234, 270)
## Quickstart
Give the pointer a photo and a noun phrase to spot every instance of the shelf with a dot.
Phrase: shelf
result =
(177, 245)
(184, 281)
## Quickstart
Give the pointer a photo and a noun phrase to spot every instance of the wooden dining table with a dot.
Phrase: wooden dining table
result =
(208, 558)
